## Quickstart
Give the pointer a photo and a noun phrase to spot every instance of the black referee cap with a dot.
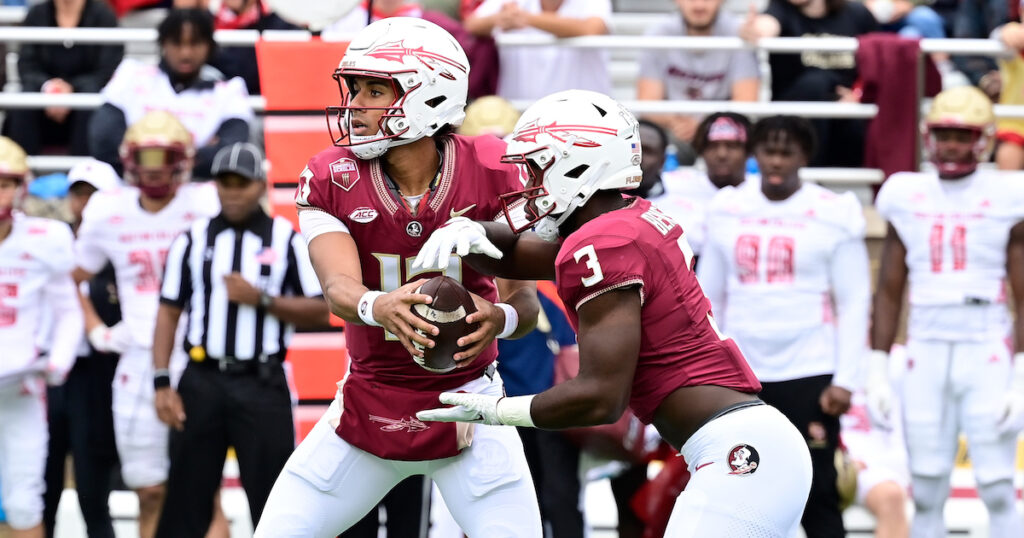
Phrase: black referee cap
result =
(240, 158)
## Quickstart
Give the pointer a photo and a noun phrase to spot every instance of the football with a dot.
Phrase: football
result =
(448, 310)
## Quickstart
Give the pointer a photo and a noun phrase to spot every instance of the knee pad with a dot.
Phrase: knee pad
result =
(930, 493)
(999, 497)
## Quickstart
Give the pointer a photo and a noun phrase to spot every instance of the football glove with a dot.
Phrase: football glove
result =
(481, 409)
(879, 391)
(1012, 408)
(114, 339)
(460, 236)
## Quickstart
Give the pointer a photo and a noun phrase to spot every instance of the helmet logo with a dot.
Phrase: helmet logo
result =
(344, 173)
(396, 51)
(562, 133)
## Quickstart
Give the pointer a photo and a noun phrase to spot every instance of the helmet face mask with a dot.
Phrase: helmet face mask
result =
(390, 125)
(959, 131)
(426, 68)
(157, 154)
(568, 146)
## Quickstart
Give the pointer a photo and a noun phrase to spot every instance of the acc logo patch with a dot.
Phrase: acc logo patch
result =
(743, 459)
(344, 173)
(363, 215)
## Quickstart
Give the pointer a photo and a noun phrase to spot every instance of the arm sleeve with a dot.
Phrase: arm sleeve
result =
(89, 252)
(851, 289)
(68, 321)
(313, 222)
(300, 277)
(176, 286)
(712, 271)
(106, 130)
(231, 131)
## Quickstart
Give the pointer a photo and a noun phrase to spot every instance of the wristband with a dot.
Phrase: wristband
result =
(515, 411)
(365, 307)
(511, 320)
(161, 378)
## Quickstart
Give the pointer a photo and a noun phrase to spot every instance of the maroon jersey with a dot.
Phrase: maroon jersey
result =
(389, 236)
(680, 345)
(385, 388)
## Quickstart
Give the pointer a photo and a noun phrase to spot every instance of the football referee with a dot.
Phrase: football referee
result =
(244, 279)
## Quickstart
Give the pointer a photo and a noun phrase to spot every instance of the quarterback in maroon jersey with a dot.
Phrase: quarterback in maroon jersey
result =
(366, 206)
(647, 337)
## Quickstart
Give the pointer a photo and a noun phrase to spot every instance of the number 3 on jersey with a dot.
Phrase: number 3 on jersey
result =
(394, 276)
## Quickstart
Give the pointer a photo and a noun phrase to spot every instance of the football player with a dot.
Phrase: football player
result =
(647, 338)
(366, 207)
(36, 258)
(786, 269)
(132, 228)
(880, 459)
(956, 235)
(722, 141)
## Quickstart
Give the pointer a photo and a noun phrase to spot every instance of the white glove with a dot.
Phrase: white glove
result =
(879, 391)
(114, 339)
(1011, 418)
(54, 376)
(459, 235)
(481, 409)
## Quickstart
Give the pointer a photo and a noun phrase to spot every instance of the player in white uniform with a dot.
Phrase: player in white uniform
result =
(132, 228)
(956, 235)
(722, 142)
(786, 269)
(880, 457)
(36, 259)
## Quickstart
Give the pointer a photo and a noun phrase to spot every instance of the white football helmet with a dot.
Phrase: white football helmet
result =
(428, 70)
(568, 146)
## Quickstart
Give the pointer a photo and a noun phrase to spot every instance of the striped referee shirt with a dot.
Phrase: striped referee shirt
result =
(267, 252)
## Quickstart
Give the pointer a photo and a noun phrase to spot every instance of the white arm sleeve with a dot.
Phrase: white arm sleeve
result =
(712, 269)
(313, 222)
(68, 321)
(851, 288)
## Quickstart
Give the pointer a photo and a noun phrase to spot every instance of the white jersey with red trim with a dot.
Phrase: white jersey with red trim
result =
(688, 193)
(115, 228)
(770, 270)
(36, 293)
(956, 233)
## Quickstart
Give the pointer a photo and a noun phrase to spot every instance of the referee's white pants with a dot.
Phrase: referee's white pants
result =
(23, 443)
(328, 485)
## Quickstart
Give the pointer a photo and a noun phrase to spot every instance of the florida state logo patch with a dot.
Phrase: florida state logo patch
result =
(743, 460)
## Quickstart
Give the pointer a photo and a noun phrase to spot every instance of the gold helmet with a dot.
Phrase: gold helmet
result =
(846, 478)
(157, 143)
(14, 165)
(13, 161)
(966, 108)
(489, 115)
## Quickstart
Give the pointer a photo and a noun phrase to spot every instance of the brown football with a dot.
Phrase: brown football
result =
(448, 310)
